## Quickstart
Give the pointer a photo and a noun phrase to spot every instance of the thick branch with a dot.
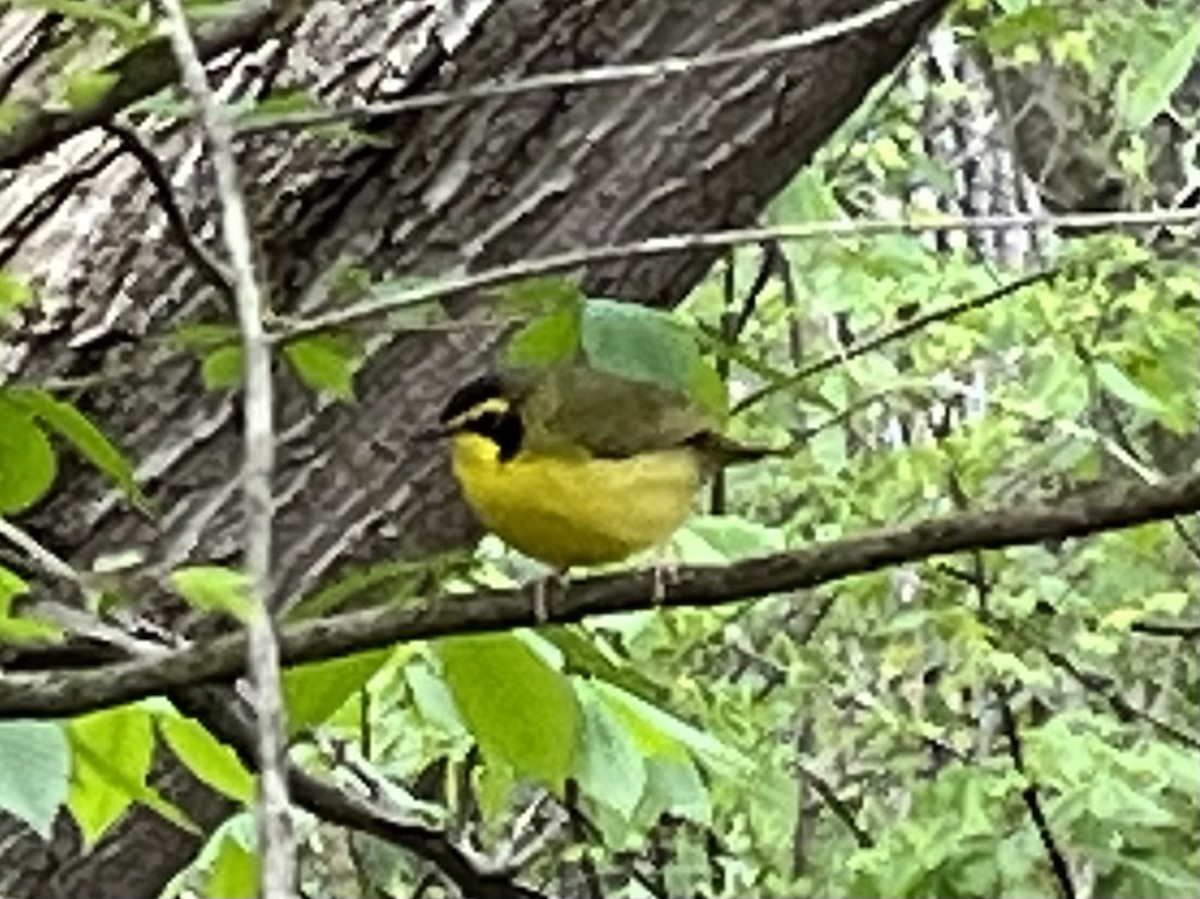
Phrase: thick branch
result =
(55, 694)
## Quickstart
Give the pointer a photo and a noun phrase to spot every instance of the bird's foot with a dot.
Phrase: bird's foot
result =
(665, 573)
(558, 580)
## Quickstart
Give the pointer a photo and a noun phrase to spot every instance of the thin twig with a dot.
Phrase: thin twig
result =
(43, 558)
(208, 265)
(911, 326)
(715, 240)
(278, 869)
(1058, 862)
(1187, 630)
(835, 804)
(657, 70)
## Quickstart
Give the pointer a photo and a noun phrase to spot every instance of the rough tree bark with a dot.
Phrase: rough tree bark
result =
(460, 187)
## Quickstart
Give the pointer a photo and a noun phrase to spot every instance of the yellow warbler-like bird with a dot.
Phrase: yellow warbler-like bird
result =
(577, 467)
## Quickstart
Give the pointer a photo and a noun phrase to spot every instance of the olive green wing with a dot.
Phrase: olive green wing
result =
(605, 414)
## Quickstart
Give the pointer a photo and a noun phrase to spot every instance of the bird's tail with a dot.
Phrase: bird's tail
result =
(720, 451)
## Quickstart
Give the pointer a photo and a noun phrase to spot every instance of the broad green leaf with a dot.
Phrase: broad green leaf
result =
(1157, 79)
(36, 772)
(14, 292)
(325, 363)
(112, 751)
(213, 588)
(234, 871)
(210, 760)
(639, 343)
(222, 368)
(84, 90)
(611, 768)
(27, 461)
(65, 420)
(314, 692)
(516, 705)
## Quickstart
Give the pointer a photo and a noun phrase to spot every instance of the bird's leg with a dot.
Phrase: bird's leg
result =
(666, 572)
(559, 578)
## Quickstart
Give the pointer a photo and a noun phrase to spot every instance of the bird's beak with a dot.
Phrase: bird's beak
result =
(428, 435)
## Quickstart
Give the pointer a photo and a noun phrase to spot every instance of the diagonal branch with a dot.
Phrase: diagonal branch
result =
(59, 693)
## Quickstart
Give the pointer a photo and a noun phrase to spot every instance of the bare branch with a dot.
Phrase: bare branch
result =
(679, 243)
(599, 76)
(212, 269)
(1058, 862)
(273, 812)
(1123, 504)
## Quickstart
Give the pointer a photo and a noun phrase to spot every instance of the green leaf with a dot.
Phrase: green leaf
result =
(611, 768)
(314, 692)
(205, 336)
(27, 462)
(1157, 79)
(18, 628)
(222, 368)
(660, 734)
(14, 293)
(209, 759)
(432, 698)
(325, 363)
(675, 787)
(213, 588)
(722, 538)
(234, 871)
(545, 341)
(65, 420)
(36, 772)
(518, 707)
(1119, 385)
(540, 295)
(112, 752)
(639, 343)
(84, 90)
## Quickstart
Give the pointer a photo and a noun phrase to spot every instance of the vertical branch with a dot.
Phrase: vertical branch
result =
(274, 814)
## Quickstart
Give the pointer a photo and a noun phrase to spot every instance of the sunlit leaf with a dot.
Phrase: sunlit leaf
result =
(518, 707)
(27, 462)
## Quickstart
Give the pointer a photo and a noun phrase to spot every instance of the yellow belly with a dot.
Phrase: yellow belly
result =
(577, 510)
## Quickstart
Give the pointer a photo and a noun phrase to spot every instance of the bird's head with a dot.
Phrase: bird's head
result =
(482, 408)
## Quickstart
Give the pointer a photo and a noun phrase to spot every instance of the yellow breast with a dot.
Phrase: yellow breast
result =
(571, 509)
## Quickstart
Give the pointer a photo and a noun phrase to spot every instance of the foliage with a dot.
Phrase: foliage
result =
(853, 740)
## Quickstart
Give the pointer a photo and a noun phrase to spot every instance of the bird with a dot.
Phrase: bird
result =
(577, 466)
